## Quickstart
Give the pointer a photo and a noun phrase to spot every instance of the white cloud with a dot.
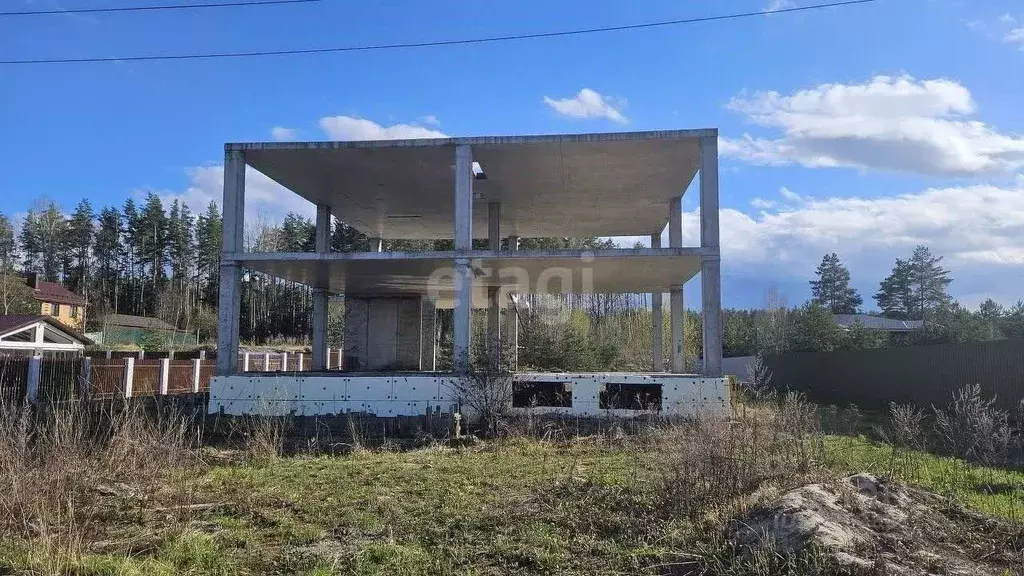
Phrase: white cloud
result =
(776, 5)
(265, 200)
(978, 229)
(430, 120)
(1015, 36)
(1007, 19)
(888, 123)
(351, 128)
(589, 104)
(282, 134)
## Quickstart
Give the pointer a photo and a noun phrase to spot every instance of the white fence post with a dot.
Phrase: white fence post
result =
(266, 362)
(110, 354)
(340, 365)
(284, 361)
(35, 365)
(165, 376)
(85, 379)
(142, 354)
(129, 376)
(202, 354)
(195, 376)
(300, 361)
(245, 362)
(327, 366)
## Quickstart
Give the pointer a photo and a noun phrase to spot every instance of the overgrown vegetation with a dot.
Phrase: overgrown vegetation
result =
(127, 491)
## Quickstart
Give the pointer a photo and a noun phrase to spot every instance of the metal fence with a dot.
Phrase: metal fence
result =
(922, 375)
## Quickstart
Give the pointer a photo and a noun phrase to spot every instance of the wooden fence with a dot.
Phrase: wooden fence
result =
(126, 374)
(922, 375)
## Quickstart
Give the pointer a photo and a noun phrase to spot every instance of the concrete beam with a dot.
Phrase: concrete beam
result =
(711, 273)
(676, 307)
(320, 295)
(657, 328)
(229, 299)
(463, 233)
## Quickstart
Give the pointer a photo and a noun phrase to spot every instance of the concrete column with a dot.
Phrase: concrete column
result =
(512, 320)
(229, 300)
(284, 362)
(245, 361)
(165, 376)
(266, 362)
(328, 360)
(129, 376)
(493, 304)
(85, 379)
(657, 329)
(675, 240)
(35, 367)
(196, 365)
(463, 245)
(710, 271)
(428, 335)
(320, 294)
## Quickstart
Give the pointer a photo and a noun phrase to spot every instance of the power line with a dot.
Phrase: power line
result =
(434, 43)
(158, 7)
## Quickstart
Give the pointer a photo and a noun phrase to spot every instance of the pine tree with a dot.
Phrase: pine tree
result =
(130, 238)
(42, 239)
(893, 294)
(916, 287)
(152, 231)
(7, 244)
(106, 250)
(928, 282)
(79, 236)
(832, 289)
(209, 234)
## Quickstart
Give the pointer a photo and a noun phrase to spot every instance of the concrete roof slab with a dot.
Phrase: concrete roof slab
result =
(573, 185)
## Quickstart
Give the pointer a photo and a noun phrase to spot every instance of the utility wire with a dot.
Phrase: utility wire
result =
(158, 7)
(434, 43)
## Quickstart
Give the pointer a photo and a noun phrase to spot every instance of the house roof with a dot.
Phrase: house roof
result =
(129, 321)
(54, 292)
(878, 322)
(13, 322)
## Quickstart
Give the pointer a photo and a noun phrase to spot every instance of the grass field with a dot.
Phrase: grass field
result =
(608, 504)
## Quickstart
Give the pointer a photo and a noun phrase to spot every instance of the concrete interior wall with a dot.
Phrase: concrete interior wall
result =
(382, 333)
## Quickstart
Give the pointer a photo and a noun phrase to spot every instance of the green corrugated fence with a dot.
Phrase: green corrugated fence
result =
(922, 375)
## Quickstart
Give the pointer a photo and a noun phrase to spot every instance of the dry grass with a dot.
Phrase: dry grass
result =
(126, 491)
(62, 463)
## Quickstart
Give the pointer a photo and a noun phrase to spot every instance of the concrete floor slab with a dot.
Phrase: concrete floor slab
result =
(525, 272)
(574, 185)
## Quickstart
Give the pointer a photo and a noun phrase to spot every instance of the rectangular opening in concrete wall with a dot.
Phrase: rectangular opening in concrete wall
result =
(542, 394)
(616, 396)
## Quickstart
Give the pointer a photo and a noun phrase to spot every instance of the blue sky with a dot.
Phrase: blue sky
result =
(862, 130)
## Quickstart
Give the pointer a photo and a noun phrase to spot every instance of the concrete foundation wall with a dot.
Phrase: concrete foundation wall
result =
(411, 395)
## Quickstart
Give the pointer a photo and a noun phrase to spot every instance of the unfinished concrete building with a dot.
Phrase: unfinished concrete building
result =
(496, 188)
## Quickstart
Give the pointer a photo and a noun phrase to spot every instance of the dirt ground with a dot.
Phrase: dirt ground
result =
(865, 525)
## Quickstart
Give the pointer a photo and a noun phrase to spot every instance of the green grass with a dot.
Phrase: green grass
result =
(511, 507)
(995, 491)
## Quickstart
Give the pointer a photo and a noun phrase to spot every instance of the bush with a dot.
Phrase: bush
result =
(972, 428)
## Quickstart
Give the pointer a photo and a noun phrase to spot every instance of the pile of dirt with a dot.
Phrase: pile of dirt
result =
(865, 525)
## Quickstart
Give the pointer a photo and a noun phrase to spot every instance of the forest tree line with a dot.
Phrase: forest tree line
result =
(150, 259)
